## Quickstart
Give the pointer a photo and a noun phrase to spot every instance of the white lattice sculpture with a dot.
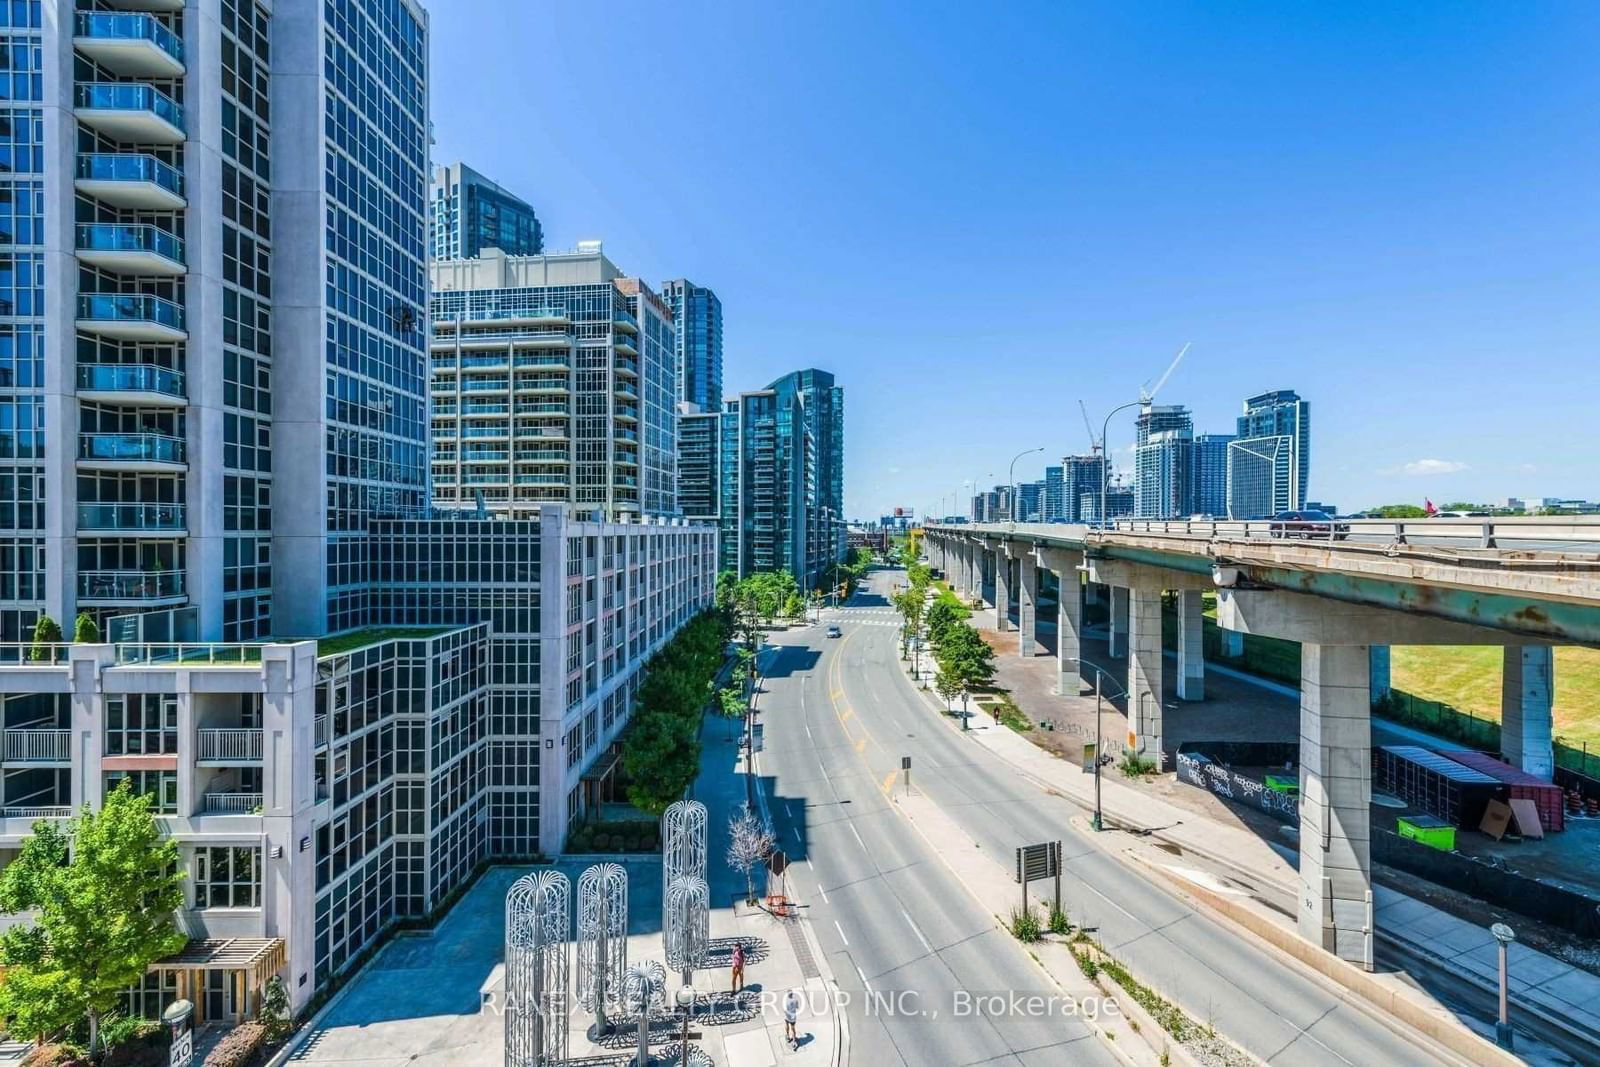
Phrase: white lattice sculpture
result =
(687, 925)
(602, 939)
(683, 843)
(538, 962)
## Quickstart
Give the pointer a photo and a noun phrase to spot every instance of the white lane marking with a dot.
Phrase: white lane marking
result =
(787, 810)
(864, 982)
(796, 834)
(843, 938)
(1108, 900)
(857, 836)
(808, 728)
(916, 931)
(821, 889)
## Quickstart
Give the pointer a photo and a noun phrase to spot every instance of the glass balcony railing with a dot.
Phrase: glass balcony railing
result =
(129, 378)
(491, 455)
(130, 308)
(109, 26)
(115, 237)
(130, 585)
(129, 96)
(131, 447)
(155, 517)
(482, 408)
(483, 431)
(485, 385)
(106, 167)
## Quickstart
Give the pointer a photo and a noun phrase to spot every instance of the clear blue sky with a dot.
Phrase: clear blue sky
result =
(977, 217)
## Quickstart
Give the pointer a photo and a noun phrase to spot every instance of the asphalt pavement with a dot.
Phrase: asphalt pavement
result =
(838, 717)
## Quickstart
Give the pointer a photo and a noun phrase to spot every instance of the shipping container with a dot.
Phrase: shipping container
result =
(1546, 796)
(1439, 786)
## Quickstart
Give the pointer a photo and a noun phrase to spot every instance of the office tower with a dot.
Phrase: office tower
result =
(697, 314)
(1211, 474)
(1053, 507)
(1164, 463)
(1076, 475)
(821, 402)
(553, 382)
(1119, 503)
(1270, 463)
(471, 213)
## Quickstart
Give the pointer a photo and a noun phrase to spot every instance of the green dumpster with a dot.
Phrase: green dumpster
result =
(1280, 784)
(1427, 830)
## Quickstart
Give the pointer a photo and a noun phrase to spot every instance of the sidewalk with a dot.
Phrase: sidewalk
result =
(1538, 981)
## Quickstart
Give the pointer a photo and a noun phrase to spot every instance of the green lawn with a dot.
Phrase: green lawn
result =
(1468, 679)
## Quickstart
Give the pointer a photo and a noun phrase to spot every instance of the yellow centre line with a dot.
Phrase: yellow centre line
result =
(836, 687)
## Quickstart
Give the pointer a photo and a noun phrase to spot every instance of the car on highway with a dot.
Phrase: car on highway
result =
(834, 631)
(1314, 525)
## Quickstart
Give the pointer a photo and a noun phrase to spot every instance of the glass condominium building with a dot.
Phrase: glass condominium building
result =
(471, 213)
(207, 253)
(1211, 474)
(1269, 464)
(698, 315)
(553, 381)
(1163, 458)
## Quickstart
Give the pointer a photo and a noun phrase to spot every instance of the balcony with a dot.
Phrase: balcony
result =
(485, 455)
(624, 320)
(485, 385)
(130, 587)
(141, 384)
(133, 114)
(232, 804)
(134, 46)
(626, 345)
(319, 731)
(130, 249)
(131, 451)
(137, 182)
(554, 432)
(542, 455)
(627, 411)
(223, 747)
(147, 5)
(625, 389)
(484, 431)
(541, 479)
(541, 409)
(133, 519)
(502, 409)
(47, 811)
(131, 317)
(38, 746)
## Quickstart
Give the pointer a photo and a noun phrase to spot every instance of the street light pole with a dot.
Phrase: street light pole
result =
(1502, 1027)
(1097, 822)
(1011, 480)
(1105, 455)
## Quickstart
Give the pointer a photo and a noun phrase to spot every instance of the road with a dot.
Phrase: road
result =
(837, 718)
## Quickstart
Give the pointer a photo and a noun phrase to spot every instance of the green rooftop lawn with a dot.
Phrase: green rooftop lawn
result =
(338, 644)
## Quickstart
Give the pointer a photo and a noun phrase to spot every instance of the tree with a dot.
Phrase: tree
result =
(105, 888)
(46, 632)
(795, 606)
(749, 844)
(274, 1013)
(948, 688)
(1399, 511)
(731, 704)
(944, 614)
(967, 659)
(910, 604)
(85, 631)
(661, 758)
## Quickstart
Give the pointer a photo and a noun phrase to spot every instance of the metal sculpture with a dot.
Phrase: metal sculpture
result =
(602, 939)
(683, 843)
(687, 925)
(538, 959)
(644, 987)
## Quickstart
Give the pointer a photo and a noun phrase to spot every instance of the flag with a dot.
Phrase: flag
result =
(1428, 509)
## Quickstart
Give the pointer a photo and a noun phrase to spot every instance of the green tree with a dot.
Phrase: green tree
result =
(967, 659)
(1399, 511)
(795, 606)
(944, 614)
(85, 631)
(46, 632)
(948, 688)
(661, 758)
(105, 888)
(731, 704)
(910, 603)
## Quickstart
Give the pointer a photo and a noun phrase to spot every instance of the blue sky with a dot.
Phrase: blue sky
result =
(977, 217)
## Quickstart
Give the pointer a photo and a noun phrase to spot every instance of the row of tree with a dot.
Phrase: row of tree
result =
(964, 659)
(47, 633)
(661, 752)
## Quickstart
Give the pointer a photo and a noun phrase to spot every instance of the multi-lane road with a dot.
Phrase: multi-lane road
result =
(837, 717)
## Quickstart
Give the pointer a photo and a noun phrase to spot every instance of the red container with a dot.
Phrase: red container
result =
(1521, 785)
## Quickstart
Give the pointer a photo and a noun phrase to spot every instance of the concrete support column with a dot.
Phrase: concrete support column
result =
(1335, 792)
(1191, 646)
(1143, 606)
(1378, 666)
(1526, 694)
(1069, 620)
(1118, 642)
(1027, 605)
(1002, 590)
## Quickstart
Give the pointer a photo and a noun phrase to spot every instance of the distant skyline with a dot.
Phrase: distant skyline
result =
(975, 222)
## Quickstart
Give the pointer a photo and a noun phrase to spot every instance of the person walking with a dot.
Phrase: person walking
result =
(791, 1015)
(738, 966)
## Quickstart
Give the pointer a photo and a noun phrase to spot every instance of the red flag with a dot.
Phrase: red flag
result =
(1428, 509)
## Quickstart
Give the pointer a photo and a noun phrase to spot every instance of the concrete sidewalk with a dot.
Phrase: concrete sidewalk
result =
(1540, 982)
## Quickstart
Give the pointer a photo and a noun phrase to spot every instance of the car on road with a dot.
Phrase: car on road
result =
(834, 631)
(1314, 525)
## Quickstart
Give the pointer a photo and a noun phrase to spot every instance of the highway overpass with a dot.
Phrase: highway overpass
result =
(1346, 593)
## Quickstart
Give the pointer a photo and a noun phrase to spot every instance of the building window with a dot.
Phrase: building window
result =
(160, 786)
(139, 724)
(227, 877)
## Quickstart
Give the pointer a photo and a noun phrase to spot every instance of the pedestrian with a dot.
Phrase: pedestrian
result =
(791, 1015)
(738, 966)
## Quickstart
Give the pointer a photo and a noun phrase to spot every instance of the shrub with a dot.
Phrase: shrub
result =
(274, 1014)
(1024, 925)
(238, 1046)
(55, 1055)
(135, 1042)
(1134, 765)
(1086, 964)
(1058, 923)
(581, 840)
(602, 842)
(632, 844)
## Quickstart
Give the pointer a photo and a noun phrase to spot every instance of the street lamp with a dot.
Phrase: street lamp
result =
(1105, 455)
(1011, 480)
(1502, 1028)
(685, 997)
(1097, 822)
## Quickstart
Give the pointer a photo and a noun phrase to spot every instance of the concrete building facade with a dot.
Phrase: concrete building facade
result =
(553, 381)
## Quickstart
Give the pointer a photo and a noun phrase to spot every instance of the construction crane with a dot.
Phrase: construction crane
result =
(1148, 396)
(1094, 444)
